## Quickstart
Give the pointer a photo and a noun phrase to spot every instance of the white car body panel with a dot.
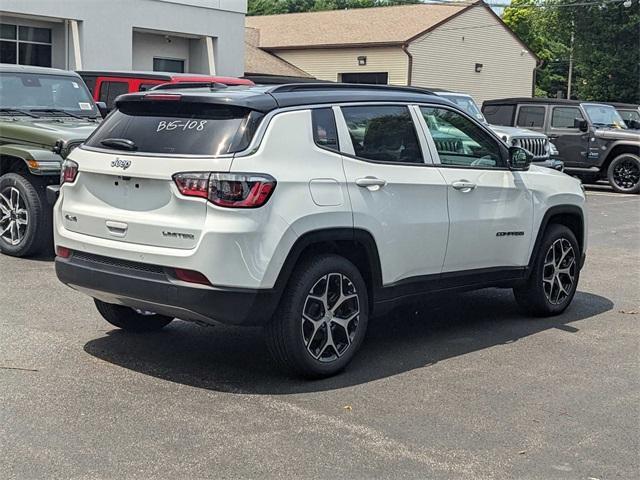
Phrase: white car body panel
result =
(421, 226)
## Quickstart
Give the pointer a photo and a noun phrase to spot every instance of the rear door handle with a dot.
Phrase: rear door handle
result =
(463, 185)
(372, 183)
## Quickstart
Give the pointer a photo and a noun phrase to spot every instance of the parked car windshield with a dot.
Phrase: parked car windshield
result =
(466, 103)
(604, 116)
(174, 127)
(45, 94)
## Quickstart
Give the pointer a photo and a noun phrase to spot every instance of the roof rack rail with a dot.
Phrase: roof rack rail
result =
(301, 87)
(184, 85)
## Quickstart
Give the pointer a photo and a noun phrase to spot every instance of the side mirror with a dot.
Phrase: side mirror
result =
(519, 158)
(102, 108)
(633, 124)
(581, 124)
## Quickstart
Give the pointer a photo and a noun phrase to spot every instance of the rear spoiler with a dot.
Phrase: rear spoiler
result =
(218, 96)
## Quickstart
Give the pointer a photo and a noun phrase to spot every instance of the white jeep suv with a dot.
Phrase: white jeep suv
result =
(306, 209)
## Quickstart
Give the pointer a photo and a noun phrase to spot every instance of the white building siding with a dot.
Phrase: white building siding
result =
(329, 63)
(446, 58)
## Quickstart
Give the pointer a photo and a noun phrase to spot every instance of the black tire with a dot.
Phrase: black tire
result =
(536, 296)
(128, 319)
(288, 334)
(37, 235)
(623, 173)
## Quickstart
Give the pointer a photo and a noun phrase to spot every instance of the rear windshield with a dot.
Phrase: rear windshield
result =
(175, 127)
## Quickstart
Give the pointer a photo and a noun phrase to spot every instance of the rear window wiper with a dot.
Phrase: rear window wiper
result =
(119, 144)
(56, 110)
(17, 110)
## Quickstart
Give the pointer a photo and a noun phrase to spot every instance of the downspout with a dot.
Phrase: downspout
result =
(405, 49)
(539, 65)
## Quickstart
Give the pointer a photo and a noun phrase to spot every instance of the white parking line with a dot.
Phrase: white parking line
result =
(618, 195)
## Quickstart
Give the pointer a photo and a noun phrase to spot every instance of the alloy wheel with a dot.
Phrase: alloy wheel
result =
(14, 216)
(559, 271)
(626, 174)
(330, 317)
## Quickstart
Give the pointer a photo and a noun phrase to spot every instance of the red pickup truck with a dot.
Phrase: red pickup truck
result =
(105, 86)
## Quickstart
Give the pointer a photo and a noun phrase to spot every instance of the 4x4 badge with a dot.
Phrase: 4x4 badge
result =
(119, 163)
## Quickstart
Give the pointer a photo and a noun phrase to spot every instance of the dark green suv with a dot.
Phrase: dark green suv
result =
(44, 114)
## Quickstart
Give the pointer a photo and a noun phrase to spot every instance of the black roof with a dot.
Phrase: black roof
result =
(551, 101)
(622, 105)
(266, 98)
(12, 68)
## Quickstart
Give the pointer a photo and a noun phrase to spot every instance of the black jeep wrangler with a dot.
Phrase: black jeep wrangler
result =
(592, 139)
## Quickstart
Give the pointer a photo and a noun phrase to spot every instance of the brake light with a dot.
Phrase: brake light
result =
(162, 96)
(193, 184)
(191, 276)
(231, 190)
(69, 172)
(63, 252)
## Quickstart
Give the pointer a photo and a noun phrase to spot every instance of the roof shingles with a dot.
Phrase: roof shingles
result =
(380, 25)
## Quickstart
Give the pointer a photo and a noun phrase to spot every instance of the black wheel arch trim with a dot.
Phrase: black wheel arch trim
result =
(571, 210)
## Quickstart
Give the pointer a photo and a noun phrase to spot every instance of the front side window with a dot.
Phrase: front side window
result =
(564, 117)
(178, 128)
(39, 94)
(530, 117)
(325, 133)
(383, 133)
(459, 141)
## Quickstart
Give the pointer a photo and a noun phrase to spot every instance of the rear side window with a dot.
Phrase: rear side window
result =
(383, 133)
(531, 117)
(325, 133)
(174, 127)
(564, 117)
(499, 114)
(109, 91)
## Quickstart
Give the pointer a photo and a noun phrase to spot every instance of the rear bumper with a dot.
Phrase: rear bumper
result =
(148, 287)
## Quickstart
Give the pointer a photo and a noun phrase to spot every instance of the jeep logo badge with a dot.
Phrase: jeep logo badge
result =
(119, 163)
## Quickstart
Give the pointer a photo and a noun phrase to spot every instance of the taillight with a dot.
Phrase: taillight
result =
(231, 190)
(190, 276)
(193, 184)
(69, 172)
(63, 252)
(165, 97)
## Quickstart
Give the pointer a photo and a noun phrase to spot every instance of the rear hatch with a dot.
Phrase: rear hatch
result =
(125, 189)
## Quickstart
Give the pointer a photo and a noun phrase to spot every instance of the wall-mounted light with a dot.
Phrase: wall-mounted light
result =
(478, 67)
(362, 60)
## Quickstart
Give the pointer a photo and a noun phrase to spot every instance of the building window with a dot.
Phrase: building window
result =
(379, 78)
(25, 45)
(168, 65)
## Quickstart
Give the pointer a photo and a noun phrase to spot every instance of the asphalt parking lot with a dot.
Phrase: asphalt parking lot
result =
(461, 386)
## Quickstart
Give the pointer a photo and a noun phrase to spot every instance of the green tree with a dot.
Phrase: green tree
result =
(606, 50)
(606, 46)
(271, 7)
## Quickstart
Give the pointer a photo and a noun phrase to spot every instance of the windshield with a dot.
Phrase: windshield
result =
(467, 104)
(31, 92)
(604, 116)
(633, 115)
